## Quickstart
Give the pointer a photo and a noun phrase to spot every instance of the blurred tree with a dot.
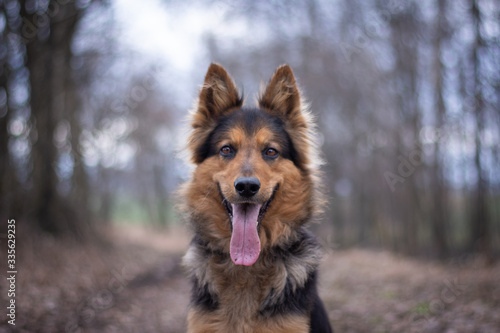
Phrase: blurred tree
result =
(52, 99)
(479, 222)
(439, 216)
(405, 31)
(9, 189)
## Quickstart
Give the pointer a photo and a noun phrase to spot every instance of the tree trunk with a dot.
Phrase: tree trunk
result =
(479, 222)
(439, 218)
(6, 174)
(45, 199)
(48, 64)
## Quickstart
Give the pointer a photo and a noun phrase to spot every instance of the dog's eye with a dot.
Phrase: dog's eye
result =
(271, 153)
(227, 151)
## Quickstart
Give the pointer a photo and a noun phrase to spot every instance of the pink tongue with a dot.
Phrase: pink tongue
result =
(245, 243)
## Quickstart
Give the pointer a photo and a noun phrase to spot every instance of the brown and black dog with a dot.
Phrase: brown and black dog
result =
(252, 263)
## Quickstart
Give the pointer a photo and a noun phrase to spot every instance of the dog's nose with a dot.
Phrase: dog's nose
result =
(247, 186)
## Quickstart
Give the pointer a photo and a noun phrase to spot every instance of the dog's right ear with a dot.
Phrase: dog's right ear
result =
(218, 97)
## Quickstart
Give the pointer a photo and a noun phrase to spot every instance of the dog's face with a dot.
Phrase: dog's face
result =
(252, 184)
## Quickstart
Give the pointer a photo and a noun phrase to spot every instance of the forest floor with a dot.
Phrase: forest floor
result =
(136, 284)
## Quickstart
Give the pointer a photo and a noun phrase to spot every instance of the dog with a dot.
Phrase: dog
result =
(252, 263)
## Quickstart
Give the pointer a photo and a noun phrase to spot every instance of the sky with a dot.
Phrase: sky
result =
(174, 34)
(173, 38)
(157, 33)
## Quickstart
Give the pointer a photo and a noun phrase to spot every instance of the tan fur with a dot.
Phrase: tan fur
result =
(214, 323)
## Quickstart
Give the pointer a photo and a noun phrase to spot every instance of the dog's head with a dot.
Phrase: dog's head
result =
(252, 185)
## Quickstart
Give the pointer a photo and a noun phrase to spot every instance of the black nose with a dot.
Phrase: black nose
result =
(247, 186)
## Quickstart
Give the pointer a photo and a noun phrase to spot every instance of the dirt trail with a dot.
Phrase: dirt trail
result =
(137, 285)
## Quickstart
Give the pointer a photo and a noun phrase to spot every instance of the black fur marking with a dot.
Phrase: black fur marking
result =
(294, 298)
(202, 244)
(203, 152)
(250, 119)
(303, 243)
(298, 300)
(202, 298)
(319, 318)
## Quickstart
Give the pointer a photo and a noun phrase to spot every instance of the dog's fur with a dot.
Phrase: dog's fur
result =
(252, 263)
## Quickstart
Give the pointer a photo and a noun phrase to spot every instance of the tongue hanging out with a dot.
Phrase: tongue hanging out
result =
(245, 243)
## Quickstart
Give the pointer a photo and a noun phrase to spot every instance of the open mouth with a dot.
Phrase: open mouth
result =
(245, 219)
(262, 211)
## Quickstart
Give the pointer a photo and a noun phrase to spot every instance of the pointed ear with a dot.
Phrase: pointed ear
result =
(281, 96)
(218, 94)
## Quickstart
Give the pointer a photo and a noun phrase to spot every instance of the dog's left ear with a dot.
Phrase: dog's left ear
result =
(281, 96)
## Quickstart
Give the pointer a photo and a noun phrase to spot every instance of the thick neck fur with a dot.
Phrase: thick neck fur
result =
(255, 291)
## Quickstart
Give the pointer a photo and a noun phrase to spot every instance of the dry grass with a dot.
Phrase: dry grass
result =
(136, 285)
(380, 292)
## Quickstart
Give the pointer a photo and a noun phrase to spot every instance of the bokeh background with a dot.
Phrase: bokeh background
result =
(94, 97)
